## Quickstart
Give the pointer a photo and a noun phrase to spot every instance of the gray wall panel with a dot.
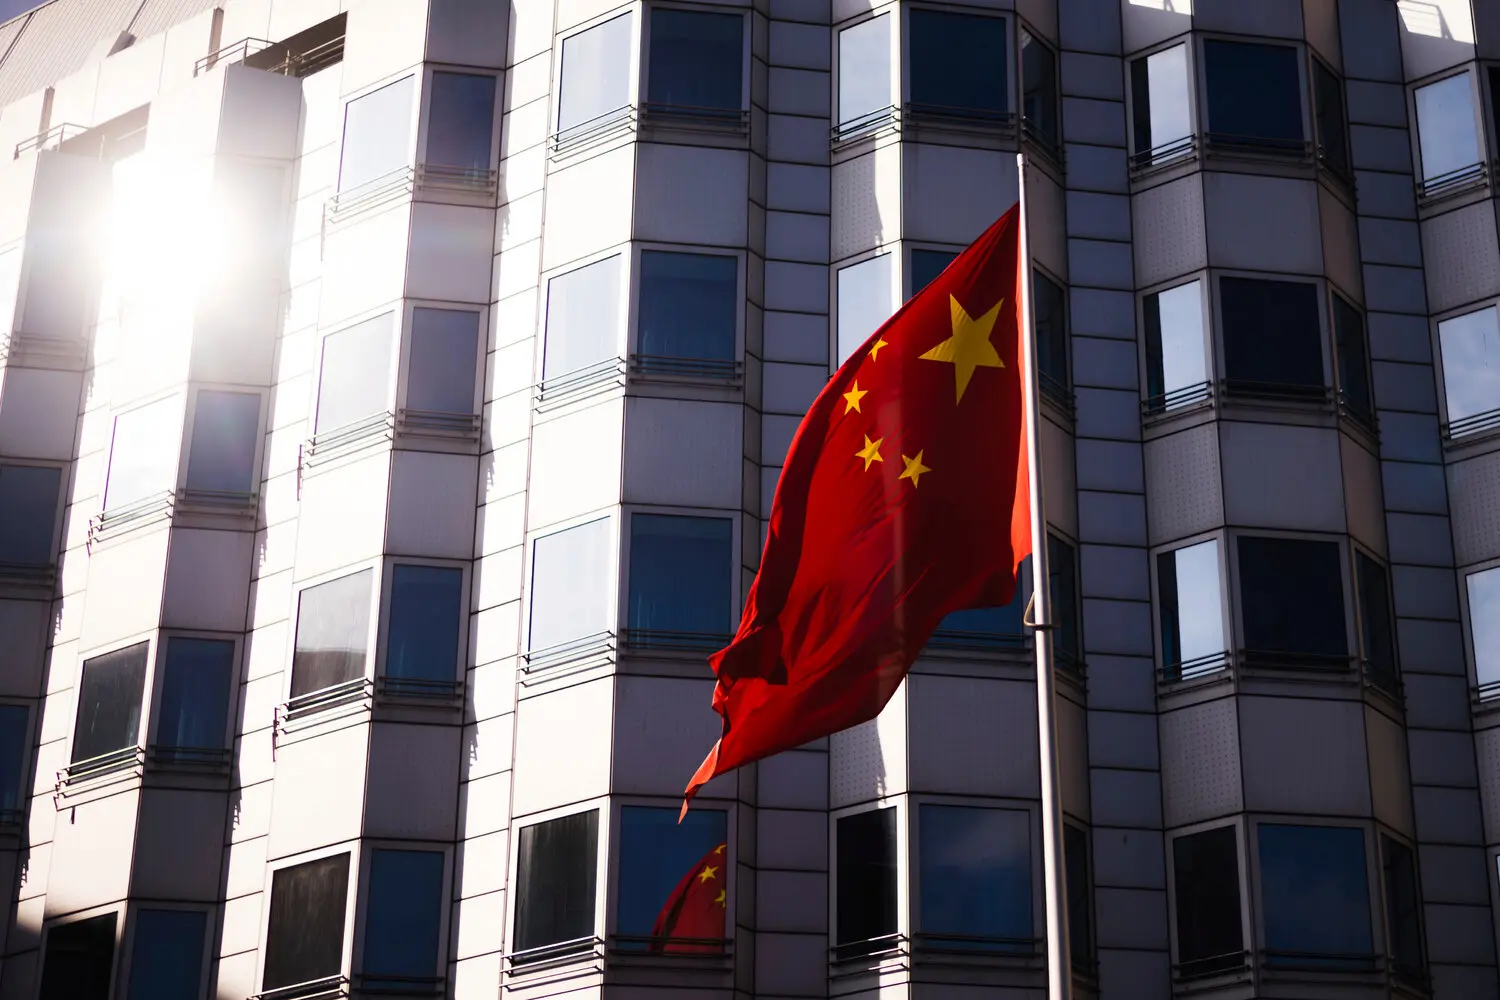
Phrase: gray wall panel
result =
(1170, 230)
(1200, 770)
(1304, 756)
(1474, 496)
(1182, 476)
(1263, 223)
(1463, 258)
(1282, 477)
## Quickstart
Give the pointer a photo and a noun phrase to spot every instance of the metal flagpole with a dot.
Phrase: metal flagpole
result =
(1059, 966)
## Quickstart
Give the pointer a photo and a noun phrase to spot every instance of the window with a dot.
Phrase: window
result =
(975, 870)
(13, 745)
(1484, 629)
(1292, 602)
(1206, 877)
(333, 626)
(1064, 573)
(1039, 92)
(1049, 312)
(1176, 350)
(1161, 105)
(697, 62)
(959, 65)
(583, 318)
(166, 961)
(1316, 896)
(305, 928)
(1354, 361)
(689, 310)
(461, 123)
(1254, 95)
(1272, 339)
(79, 959)
(109, 702)
(988, 628)
(864, 75)
(403, 920)
(426, 613)
(221, 458)
(444, 361)
(570, 588)
(673, 882)
(926, 265)
(1376, 626)
(1328, 116)
(865, 894)
(377, 134)
(865, 301)
(194, 710)
(1470, 346)
(28, 513)
(555, 881)
(143, 457)
(1080, 927)
(354, 382)
(595, 74)
(1403, 910)
(1447, 136)
(681, 583)
(1192, 616)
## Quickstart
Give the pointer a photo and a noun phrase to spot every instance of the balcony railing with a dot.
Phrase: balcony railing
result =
(957, 639)
(439, 422)
(376, 429)
(583, 653)
(1478, 423)
(147, 510)
(643, 639)
(327, 988)
(232, 53)
(671, 947)
(102, 766)
(598, 129)
(376, 193)
(206, 759)
(1285, 392)
(1178, 399)
(1312, 961)
(560, 390)
(54, 136)
(1488, 691)
(561, 953)
(468, 180)
(218, 501)
(869, 949)
(1475, 175)
(1198, 666)
(400, 986)
(420, 691)
(1297, 662)
(965, 944)
(1258, 147)
(357, 693)
(686, 118)
(873, 123)
(957, 119)
(1165, 155)
(1229, 963)
(660, 366)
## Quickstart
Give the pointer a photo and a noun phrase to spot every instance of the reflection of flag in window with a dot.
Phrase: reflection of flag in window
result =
(692, 920)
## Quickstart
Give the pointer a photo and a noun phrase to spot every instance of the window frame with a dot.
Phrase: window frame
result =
(1481, 134)
(900, 266)
(419, 101)
(117, 958)
(1354, 302)
(633, 75)
(359, 899)
(858, 127)
(377, 589)
(1346, 173)
(1025, 29)
(397, 314)
(405, 348)
(1201, 121)
(25, 790)
(643, 45)
(1357, 549)
(736, 559)
(611, 853)
(1346, 583)
(261, 432)
(1176, 150)
(179, 474)
(157, 673)
(902, 803)
(125, 940)
(59, 507)
(423, 115)
(625, 313)
(355, 850)
(1248, 907)
(1489, 692)
(1013, 79)
(1382, 833)
(614, 601)
(1228, 618)
(908, 266)
(604, 849)
(1079, 668)
(1220, 356)
(1488, 421)
(384, 587)
(631, 290)
(1060, 396)
(1209, 312)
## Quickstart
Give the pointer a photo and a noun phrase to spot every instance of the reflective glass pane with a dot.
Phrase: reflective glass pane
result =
(595, 73)
(1050, 316)
(13, 742)
(426, 606)
(926, 265)
(1446, 134)
(195, 693)
(864, 69)
(1039, 90)
(1484, 628)
(1471, 363)
(461, 121)
(957, 62)
(333, 628)
(1206, 880)
(166, 962)
(28, 513)
(1403, 907)
(681, 572)
(555, 881)
(1316, 894)
(1162, 81)
(570, 585)
(673, 880)
(865, 852)
(1080, 898)
(221, 458)
(689, 305)
(403, 918)
(1328, 104)
(1192, 615)
(697, 59)
(444, 360)
(1272, 334)
(79, 960)
(355, 380)
(1064, 572)
(143, 457)
(985, 627)
(864, 302)
(1354, 365)
(1254, 91)
(109, 702)
(975, 870)
(305, 929)
(377, 134)
(1175, 353)
(1292, 596)
(583, 318)
(1377, 629)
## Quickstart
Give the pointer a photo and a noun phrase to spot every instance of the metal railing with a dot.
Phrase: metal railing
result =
(561, 952)
(968, 944)
(1488, 691)
(881, 120)
(1385, 677)
(148, 510)
(598, 129)
(338, 441)
(1258, 146)
(219, 501)
(1296, 662)
(355, 693)
(560, 390)
(884, 946)
(103, 765)
(1228, 963)
(232, 53)
(1198, 666)
(1314, 961)
(419, 690)
(1359, 414)
(673, 947)
(688, 118)
(188, 758)
(54, 136)
(1162, 156)
(469, 180)
(983, 641)
(1178, 399)
(581, 654)
(1478, 423)
(665, 639)
(1050, 146)
(464, 425)
(375, 193)
(1291, 392)
(405, 986)
(327, 988)
(661, 365)
(290, 59)
(1057, 392)
(1444, 185)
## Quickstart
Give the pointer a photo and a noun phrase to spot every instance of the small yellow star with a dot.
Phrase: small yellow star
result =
(853, 396)
(720, 849)
(870, 452)
(720, 897)
(875, 348)
(707, 874)
(914, 469)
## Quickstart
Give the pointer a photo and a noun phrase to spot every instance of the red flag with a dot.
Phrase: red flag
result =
(904, 497)
(695, 910)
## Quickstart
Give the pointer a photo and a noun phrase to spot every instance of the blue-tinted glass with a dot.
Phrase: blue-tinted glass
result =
(864, 302)
(656, 853)
(12, 754)
(460, 121)
(958, 61)
(1272, 335)
(975, 876)
(1253, 90)
(696, 59)
(221, 458)
(1316, 893)
(402, 916)
(195, 693)
(996, 626)
(680, 569)
(422, 643)
(445, 350)
(377, 134)
(167, 960)
(28, 510)
(1049, 314)
(927, 265)
(689, 305)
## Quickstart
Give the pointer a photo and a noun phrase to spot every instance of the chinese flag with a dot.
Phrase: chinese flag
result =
(694, 910)
(904, 497)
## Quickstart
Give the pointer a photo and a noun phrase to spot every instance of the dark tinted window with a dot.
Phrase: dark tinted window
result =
(333, 623)
(1140, 105)
(986, 627)
(79, 959)
(109, 702)
(403, 917)
(1292, 597)
(305, 929)
(689, 305)
(1328, 108)
(1206, 876)
(1354, 367)
(166, 961)
(28, 511)
(1050, 311)
(697, 59)
(13, 719)
(1403, 908)
(445, 350)
(1316, 895)
(1080, 896)
(957, 63)
(555, 881)
(1064, 599)
(1272, 338)
(426, 605)
(926, 265)
(673, 880)
(460, 121)
(226, 426)
(1253, 92)
(1377, 629)
(975, 870)
(680, 577)
(1039, 90)
(866, 877)
(195, 693)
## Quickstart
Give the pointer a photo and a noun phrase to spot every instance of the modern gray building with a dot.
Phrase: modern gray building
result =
(391, 402)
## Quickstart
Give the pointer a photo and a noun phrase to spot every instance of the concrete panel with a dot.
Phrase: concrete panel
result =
(208, 580)
(179, 845)
(866, 202)
(25, 625)
(795, 779)
(1390, 778)
(588, 206)
(451, 253)
(691, 194)
(1073, 758)
(364, 264)
(1282, 477)
(432, 504)
(260, 115)
(1059, 470)
(1183, 484)
(1200, 763)
(1263, 223)
(662, 725)
(869, 761)
(412, 789)
(563, 741)
(1048, 218)
(973, 736)
(791, 839)
(1363, 495)
(343, 515)
(952, 194)
(1320, 21)
(1487, 751)
(39, 412)
(129, 78)
(1171, 234)
(466, 33)
(1462, 256)
(319, 791)
(683, 452)
(1474, 499)
(1304, 756)
(126, 579)
(576, 463)
(1341, 245)
(382, 38)
(1277, 18)
(92, 854)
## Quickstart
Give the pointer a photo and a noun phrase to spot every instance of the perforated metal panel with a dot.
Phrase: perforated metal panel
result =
(1462, 258)
(1363, 492)
(1200, 762)
(1340, 245)
(1169, 230)
(1487, 748)
(1390, 782)
(857, 223)
(869, 761)
(1474, 505)
(1184, 493)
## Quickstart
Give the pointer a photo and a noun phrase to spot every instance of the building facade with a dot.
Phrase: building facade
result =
(391, 401)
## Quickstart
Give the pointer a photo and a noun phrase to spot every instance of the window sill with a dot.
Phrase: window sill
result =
(419, 693)
(730, 124)
(459, 185)
(686, 371)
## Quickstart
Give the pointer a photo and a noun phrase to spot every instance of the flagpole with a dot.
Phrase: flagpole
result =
(1059, 966)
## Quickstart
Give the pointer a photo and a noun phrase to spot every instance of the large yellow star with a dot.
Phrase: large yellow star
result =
(853, 396)
(969, 347)
(914, 469)
(870, 452)
(707, 874)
